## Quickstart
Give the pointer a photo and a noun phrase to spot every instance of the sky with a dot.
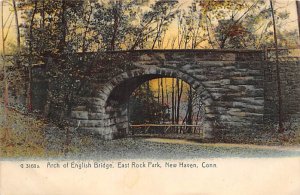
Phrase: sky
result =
(289, 5)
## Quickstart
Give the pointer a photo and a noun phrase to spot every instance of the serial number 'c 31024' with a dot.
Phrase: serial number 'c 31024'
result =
(29, 166)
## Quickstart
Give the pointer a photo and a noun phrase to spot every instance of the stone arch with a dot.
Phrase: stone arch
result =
(108, 117)
(134, 78)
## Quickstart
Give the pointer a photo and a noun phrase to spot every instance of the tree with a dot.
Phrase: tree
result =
(125, 25)
(190, 25)
(4, 68)
(241, 24)
(164, 14)
(47, 35)
(113, 23)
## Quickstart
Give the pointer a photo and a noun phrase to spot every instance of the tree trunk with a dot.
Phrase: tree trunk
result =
(190, 109)
(298, 13)
(84, 47)
(5, 90)
(63, 28)
(179, 94)
(280, 119)
(148, 96)
(17, 27)
(29, 85)
(208, 32)
(43, 24)
(173, 101)
(162, 99)
(167, 93)
(159, 25)
(116, 18)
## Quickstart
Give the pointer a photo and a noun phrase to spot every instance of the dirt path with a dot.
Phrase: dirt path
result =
(225, 145)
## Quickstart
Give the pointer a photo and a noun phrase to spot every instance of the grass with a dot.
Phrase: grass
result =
(26, 136)
(21, 135)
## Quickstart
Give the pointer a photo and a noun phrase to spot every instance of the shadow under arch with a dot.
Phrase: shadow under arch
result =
(122, 86)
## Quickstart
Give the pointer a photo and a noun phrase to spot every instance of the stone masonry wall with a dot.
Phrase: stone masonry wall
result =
(239, 88)
(234, 81)
(290, 85)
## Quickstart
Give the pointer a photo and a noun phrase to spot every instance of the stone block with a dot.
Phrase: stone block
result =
(97, 109)
(79, 115)
(216, 83)
(80, 108)
(250, 100)
(207, 130)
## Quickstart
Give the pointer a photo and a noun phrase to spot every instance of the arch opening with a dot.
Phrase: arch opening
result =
(165, 105)
(120, 90)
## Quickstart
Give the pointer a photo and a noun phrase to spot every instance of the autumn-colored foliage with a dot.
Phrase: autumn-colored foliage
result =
(21, 135)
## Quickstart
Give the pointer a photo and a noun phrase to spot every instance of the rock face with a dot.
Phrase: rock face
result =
(230, 83)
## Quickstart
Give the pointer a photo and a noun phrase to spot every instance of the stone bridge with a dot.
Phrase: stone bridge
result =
(232, 85)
